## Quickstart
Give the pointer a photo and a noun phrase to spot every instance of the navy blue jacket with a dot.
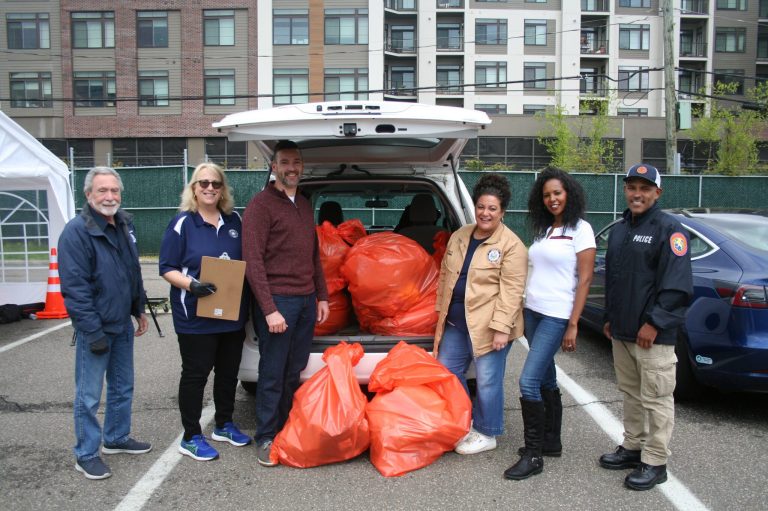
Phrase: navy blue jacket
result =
(647, 276)
(100, 293)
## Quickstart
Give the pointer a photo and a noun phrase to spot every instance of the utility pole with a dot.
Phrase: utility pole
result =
(670, 98)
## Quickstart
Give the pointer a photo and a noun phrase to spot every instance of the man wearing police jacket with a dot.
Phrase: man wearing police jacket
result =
(648, 287)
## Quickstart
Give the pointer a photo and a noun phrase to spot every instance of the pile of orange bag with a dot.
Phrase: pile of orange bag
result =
(393, 283)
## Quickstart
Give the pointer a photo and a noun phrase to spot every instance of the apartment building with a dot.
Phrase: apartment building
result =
(139, 82)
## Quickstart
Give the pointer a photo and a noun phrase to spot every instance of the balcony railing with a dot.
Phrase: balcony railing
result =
(694, 7)
(450, 87)
(399, 89)
(595, 5)
(594, 86)
(450, 43)
(693, 49)
(595, 47)
(450, 4)
(400, 5)
(400, 47)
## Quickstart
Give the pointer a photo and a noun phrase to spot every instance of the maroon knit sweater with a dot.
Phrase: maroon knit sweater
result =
(280, 248)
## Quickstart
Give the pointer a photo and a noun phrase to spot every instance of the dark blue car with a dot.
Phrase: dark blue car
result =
(725, 340)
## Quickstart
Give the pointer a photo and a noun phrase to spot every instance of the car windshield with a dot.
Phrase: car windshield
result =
(751, 230)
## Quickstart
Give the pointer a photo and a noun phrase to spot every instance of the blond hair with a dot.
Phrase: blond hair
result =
(188, 199)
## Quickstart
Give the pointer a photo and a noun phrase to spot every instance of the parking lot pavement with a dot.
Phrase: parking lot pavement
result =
(720, 446)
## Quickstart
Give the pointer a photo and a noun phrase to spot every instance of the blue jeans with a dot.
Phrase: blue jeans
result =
(455, 353)
(545, 336)
(282, 358)
(90, 370)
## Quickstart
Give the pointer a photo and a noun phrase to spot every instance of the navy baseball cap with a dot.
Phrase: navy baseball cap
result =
(644, 171)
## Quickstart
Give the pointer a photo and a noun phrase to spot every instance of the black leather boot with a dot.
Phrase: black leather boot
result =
(531, 462)
(553, 421)
(622, 458)
(645, 476)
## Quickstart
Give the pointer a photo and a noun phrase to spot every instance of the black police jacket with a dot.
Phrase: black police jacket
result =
(647, 275)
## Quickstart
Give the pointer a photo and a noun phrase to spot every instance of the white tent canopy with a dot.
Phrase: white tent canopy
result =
(26, 165)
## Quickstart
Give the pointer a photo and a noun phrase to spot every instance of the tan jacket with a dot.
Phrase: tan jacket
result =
(495, 286)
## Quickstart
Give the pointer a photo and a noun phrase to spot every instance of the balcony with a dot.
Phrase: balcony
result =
(453, 43)
(400, 47)
(450, 4)
(400, 90)
(450, 87)
(400, 5)
(594, 86)
(594, 46)
(694, 7)
(693, 50)
(595, 5)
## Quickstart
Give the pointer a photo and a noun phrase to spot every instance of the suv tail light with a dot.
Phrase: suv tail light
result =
(751, 297)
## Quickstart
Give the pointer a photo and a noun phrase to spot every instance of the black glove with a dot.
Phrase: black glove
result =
(201, 289)
(100, 346)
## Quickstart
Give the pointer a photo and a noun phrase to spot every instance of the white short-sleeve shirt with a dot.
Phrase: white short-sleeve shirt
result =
(553, 274)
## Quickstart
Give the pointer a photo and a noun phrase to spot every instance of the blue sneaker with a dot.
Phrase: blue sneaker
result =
(130, 446)
(198, 449)
(93, 468)
(230, 433)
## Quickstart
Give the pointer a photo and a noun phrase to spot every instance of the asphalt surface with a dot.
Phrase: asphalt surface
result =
(720, 446)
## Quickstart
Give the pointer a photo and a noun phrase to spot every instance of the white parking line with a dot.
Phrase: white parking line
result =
(675, 491)
(33, 337)
(143, 489)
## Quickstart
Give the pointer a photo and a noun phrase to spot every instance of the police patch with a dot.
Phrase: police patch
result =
(679, 244)
(233, 233)
(494, 255)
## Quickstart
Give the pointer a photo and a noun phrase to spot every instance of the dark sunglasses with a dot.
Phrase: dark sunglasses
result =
(204, 183)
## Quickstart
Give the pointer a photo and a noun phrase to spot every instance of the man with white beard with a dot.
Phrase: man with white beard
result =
(102, 288)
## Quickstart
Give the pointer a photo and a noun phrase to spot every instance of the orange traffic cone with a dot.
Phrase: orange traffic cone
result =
(54, 301)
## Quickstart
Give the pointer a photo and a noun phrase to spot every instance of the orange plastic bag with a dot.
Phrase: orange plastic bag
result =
(417, 321)
(351, 230)
(387, 274)
(420, 411)
(333, 249)
(440, 244)
(327, 422)
(340, 310)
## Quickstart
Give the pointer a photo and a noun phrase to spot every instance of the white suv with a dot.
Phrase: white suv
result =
(375, 159)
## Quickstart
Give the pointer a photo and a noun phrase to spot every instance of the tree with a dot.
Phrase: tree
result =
(584, 150)
(730, 133)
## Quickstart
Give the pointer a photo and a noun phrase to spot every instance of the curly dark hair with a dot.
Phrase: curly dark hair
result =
(539, 217)
(493, 184)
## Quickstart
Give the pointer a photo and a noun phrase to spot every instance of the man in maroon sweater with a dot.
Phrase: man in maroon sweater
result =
(283, 269)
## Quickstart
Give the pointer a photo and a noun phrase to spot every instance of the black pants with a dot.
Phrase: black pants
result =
(199, 354)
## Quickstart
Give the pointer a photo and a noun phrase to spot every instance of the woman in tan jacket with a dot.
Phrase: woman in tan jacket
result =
(479, 305)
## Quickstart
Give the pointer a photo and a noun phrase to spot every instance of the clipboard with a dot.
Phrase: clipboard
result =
(228, 275)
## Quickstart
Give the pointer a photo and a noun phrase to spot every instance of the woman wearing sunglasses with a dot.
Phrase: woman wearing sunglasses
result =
(207, 225)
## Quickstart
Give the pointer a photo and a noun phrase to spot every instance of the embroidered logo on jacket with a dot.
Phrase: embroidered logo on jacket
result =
(643, 239)
(494, 255)
(679, 244)
(233, 233)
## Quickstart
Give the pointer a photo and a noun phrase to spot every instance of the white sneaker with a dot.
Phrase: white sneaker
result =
(475, 442)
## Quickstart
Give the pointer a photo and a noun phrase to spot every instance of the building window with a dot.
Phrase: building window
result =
(82, 150)
(491, 74)
(728, 76)
(449, 36)
(492, 109)
(219, 27)
(634, 37)
(290, 86)
(94, 89)
(730, 40)
(28, 31)
(31, 90)
(400, 38)
(449, 79)
(346, 26)
(534, 109)
(633, 79)
(632, 112)
(219, 86)
(291, 26)
(93, 29)
(490, 31)
(148, 152)
(344, 84)
(402, 80)
(535, 1)
(152, 29)
(536, 32)
(634, 3)
(732, 5)
(534, 74)
(226, 153)
(153, 88)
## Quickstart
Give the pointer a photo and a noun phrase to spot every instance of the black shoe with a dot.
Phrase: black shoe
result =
(528, 465)
(620, 459)
(646, 477)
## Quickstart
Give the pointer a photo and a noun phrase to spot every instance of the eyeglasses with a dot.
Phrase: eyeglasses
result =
(204, 183)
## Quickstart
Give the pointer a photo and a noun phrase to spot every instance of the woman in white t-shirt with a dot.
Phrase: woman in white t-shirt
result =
(561, 258)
